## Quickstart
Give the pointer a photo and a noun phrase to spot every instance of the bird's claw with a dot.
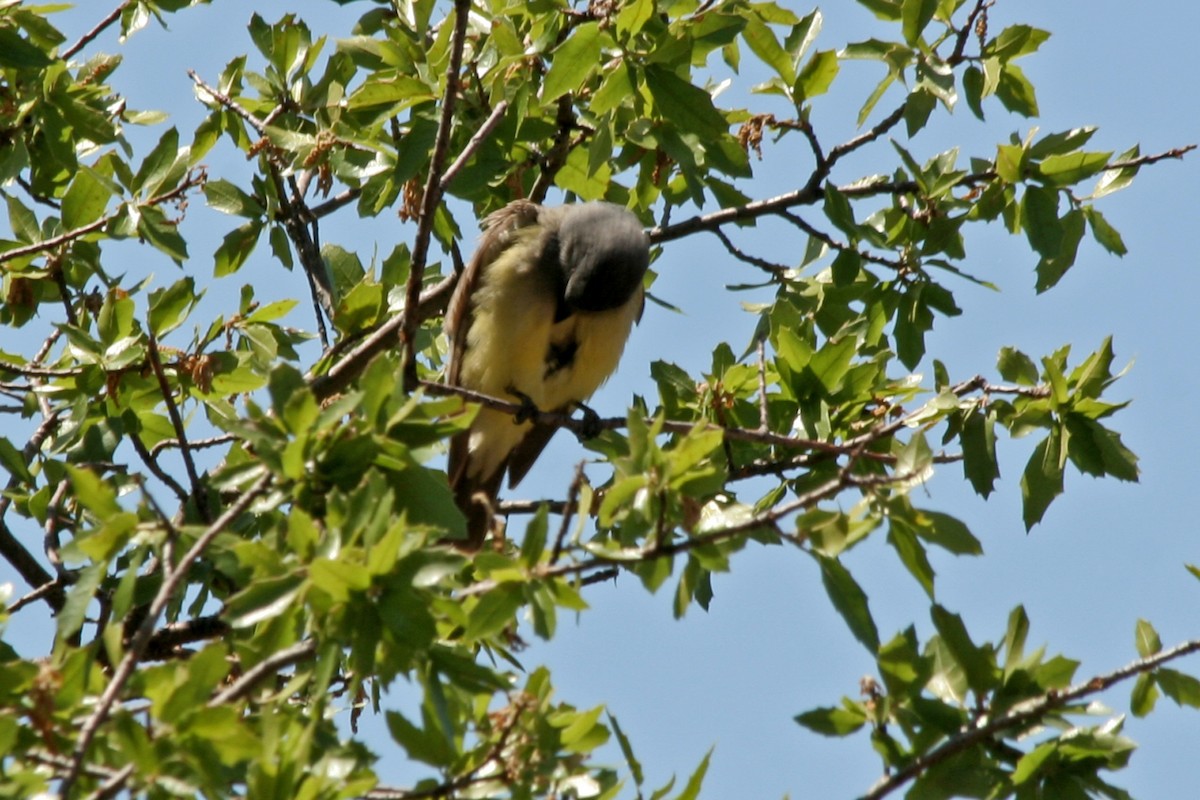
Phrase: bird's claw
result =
(528, 409)
(590, 425)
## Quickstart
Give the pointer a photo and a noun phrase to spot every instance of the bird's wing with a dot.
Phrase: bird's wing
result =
(498, 229)
(528, 449)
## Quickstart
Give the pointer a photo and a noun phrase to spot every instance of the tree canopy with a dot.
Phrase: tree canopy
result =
(236, 511)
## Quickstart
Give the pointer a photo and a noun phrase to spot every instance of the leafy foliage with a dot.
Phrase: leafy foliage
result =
(245, 522)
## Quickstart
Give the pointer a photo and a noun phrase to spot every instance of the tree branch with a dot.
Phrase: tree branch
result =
(1022, 715)
(432, 196)
(264, 669)
(137, 646)
(177, 423)
(99, 28)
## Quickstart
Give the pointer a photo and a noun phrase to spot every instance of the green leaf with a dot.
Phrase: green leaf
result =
(635, 766)
(395, 92)
(688, 107)
(170, 307)
(762, 42)
(978, 440)
(850, 601)
(889, 10)
(235, 248)
(573, 61)
(1051, 268)
(584, 734)
(428, 746)
(1014, 638)
(692, 790)
(85, 200)
(1039, 217)
(912, 554)
(79, 598)
(165, 161)
(1114, 180)
(632, 17)
(615, 89)
(1180, 687)
(947, 532)
(1017, 367)
(18, 53)
(1043, 479)
(1146, 639)
(1144, 695)
(494, 612)
(227, 198)
(973, 88)
(1015, 41)
(914, 16)
(264, 599)
(96, 495)
(1030, 763)
(1105, 234)
(840, 212)
(14, 462)
(1070, 168)
(338, 579)
(841, 721)
(162, 233)
(978, 663)
(1015, 91)
(818, 74)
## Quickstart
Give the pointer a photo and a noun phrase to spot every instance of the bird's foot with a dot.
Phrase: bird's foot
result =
(590, 425)
(528, 409)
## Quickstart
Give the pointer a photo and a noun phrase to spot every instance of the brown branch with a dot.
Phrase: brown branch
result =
(834, 244)
(568, 511)
(54, 241)
(1022, 715)
(177, 423)
(775, 270)
(485, 130)
(432, 196)
(662, 549)
(964, 35)
(148, 459)
(227, 101)
(172, 581)
(195, 444)
(385, 337)
(99, 28)
(196, 178)
(264, 669)
(166, 641)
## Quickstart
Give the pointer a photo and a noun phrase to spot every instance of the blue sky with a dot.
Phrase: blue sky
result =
(771, 646)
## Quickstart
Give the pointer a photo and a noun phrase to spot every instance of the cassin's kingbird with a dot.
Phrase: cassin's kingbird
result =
(541, 313)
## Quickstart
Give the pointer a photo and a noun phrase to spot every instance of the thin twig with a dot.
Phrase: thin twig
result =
(137, 645)
(964, 34)
(263, 669)
(99, 28)
(177, 423)
(485, 130)
(1023, 715)
(385, 337)
(432, 196)
(663, 549)
(148, 459)
(195, 444)
(767, 266)
(568, 512)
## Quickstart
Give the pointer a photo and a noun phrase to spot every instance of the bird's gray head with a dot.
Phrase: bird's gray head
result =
(603, 254)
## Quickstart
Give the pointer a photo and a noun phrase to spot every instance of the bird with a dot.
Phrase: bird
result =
(541, 313)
